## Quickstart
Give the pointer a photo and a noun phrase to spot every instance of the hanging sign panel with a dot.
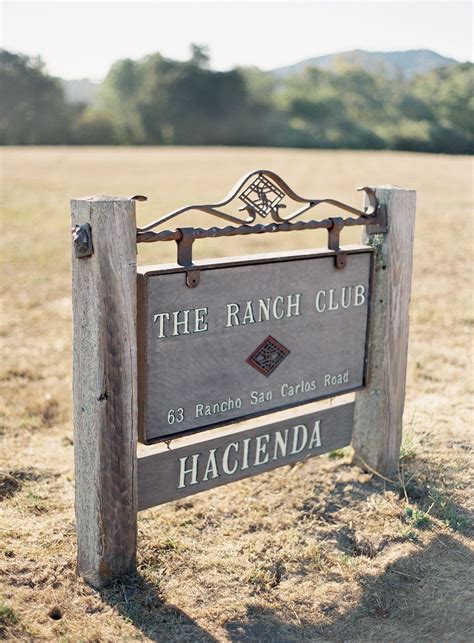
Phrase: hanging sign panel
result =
(230, 339)
(175, 473)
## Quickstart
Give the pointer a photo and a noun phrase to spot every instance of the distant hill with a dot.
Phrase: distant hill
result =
(80, 91)
(408, 63)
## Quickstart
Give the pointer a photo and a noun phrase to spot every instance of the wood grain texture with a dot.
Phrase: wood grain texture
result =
(250, 451)
(105, 389)
(378, 413)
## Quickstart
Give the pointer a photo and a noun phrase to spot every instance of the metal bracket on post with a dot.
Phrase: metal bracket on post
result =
(82, 239)
(334, 234)
(381, 226)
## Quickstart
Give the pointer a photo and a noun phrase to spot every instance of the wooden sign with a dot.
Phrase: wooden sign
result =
(179, 472)
(253, 336)
(194, 356)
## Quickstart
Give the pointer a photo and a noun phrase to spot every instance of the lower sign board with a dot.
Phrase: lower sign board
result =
(230, 339)
(178, 472)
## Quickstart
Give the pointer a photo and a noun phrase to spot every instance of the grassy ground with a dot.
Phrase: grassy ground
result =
(317, 551)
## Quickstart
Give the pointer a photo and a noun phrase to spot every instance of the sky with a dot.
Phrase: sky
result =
(83, 39)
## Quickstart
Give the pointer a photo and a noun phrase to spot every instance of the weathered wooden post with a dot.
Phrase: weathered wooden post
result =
(379, 407)
(105, 385)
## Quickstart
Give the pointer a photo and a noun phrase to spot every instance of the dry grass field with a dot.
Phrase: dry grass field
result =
(317, 551)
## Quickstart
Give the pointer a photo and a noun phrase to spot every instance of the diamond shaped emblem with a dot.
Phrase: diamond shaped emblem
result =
(262, 196)
(267, 356)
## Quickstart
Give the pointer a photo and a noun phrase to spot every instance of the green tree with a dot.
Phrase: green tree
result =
(118, 98)
(33, 110)
(93, 126)
(325, 109)
(160, 101)
(449, 94)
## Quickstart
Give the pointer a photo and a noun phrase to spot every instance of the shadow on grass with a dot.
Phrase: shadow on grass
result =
(423, 595)
(408, 601)
(139, 602)
(426, 594)
(392, 605)
(420, 487)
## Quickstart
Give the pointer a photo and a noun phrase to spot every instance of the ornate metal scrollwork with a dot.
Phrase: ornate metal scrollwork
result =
(262, 193)
(262, 196)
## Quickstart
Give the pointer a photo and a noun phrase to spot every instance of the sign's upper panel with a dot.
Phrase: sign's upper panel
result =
(254, 336)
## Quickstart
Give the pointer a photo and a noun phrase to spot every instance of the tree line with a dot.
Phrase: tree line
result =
(158, 101)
